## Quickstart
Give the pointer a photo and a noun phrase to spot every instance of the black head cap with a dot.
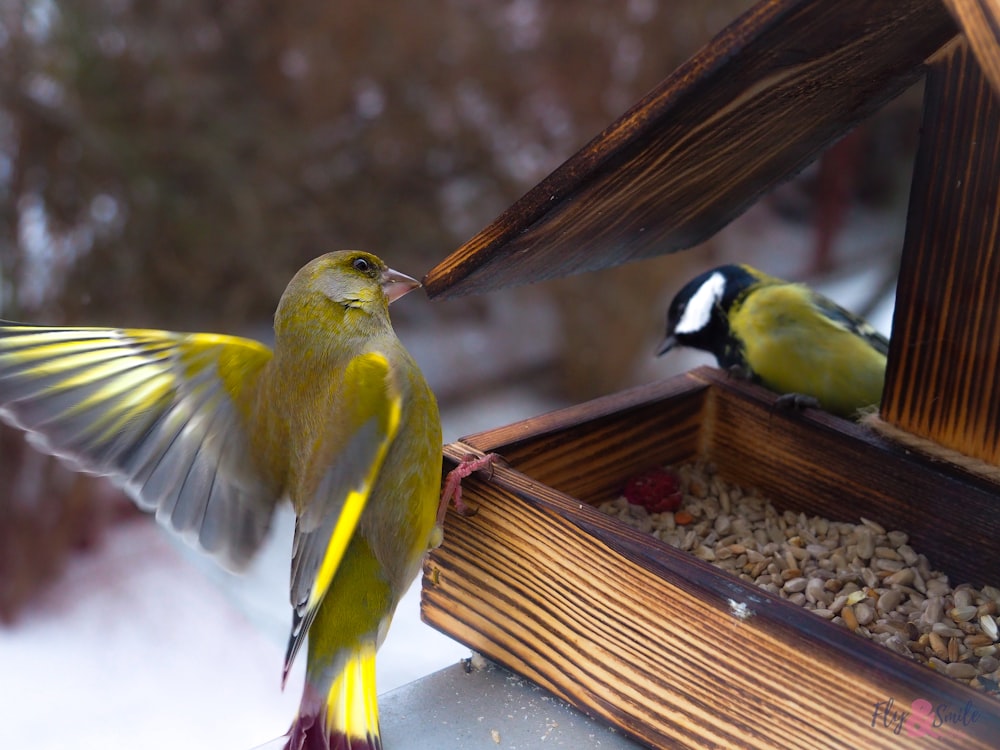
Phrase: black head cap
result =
(697, 316)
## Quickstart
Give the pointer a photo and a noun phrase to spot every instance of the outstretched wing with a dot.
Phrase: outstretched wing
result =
(851, 322)
(362, 429)
(155, 411)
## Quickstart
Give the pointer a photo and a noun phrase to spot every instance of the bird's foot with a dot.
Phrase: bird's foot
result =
(452, 490)
(797, 401)
(741, 372)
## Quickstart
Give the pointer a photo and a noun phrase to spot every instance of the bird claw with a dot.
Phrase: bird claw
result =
(452, 491)
(797, 401)
(740, 372)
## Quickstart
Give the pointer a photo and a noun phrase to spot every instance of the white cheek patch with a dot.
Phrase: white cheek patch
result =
(699, 308)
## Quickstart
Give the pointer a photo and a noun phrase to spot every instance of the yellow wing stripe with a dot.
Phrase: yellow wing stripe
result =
(135, 391)
(117, 414)
(126, 383)
(55, 358)
(354, 505)
(27, 336)
(341, 537)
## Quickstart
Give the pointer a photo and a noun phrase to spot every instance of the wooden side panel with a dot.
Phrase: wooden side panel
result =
(943, 378)
(980, 20)
(585, 450)
(821, 465)
(665, 646)
(659, 643)
(750, 110)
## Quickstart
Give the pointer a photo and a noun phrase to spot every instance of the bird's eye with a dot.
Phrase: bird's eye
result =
(362, 265)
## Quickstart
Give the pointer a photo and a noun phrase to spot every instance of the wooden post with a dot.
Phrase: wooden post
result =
(943, 377)
(980, 19)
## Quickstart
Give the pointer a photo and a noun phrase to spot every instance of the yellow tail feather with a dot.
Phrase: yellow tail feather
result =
(348, 720)
(352, 703)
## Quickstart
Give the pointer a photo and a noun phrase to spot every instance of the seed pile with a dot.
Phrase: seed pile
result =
(856, 575)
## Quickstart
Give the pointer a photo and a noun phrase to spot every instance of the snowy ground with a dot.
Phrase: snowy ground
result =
(134, 648)
(144, 645)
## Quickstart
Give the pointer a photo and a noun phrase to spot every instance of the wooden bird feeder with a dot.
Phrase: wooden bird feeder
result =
(669, 648)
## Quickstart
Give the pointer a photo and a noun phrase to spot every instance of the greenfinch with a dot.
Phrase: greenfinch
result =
(211, 432)
(783, 335)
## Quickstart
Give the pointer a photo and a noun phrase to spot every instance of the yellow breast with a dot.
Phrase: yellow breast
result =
(794, 348)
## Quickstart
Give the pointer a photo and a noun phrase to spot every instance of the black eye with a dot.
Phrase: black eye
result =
(362, 265)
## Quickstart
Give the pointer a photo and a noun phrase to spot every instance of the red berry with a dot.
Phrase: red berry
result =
(656, 490)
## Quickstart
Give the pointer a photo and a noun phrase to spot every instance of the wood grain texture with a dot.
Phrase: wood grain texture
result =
(820, 464)
(612, 436)
(751, 109)
(980, 21)
(944, 363)
(813, 462)
(645, 636)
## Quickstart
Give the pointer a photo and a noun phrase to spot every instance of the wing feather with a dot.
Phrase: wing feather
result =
(846, 319)
(156, 411)
(362, 429)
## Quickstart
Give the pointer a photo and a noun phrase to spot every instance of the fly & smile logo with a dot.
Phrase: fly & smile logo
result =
(922, 719)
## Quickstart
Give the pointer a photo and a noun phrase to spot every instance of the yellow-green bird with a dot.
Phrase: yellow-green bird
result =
(783, 335)
(211, 432)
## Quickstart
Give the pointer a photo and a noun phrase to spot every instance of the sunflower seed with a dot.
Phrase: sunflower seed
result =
(877, 528)
(989, 626)
(934, 610)
(960, 670)
(890, 600)
(817, 593)
(795, 585)
(943, 629)
(854, 575)
(988, 662)
(864, 613)
(962, 613)
(866, 544)
(902, 577)
(906, 552)
(897, 538)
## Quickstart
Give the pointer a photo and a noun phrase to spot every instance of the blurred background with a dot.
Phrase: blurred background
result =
(171, 163)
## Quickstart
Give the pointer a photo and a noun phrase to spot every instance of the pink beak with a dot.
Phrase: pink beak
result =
(396, 284)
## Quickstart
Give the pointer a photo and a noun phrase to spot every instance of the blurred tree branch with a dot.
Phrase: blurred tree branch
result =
(186, 157)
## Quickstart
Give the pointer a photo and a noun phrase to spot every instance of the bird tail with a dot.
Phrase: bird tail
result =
(346, 718)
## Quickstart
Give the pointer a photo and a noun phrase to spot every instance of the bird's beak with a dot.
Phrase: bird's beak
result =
(396, 284)
(668, 343)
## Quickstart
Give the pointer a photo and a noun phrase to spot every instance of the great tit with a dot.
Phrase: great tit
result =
(782, 335)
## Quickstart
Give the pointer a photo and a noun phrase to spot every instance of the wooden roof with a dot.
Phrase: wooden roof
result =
(754, 107)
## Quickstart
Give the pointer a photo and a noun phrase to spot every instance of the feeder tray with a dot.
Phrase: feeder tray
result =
(667, 647)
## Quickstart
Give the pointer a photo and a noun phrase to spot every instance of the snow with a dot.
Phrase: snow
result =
(136, 647)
